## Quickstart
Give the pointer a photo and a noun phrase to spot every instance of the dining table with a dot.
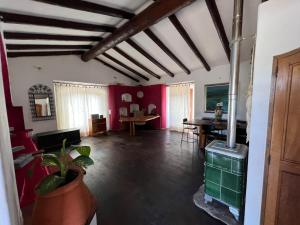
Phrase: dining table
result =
(205, 124)
(133, 120)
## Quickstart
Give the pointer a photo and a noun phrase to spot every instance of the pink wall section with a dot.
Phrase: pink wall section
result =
(153, 94)
(14, 114)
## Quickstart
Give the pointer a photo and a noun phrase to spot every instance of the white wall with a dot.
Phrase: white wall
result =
(9, 207)
(278, 32)
(24, 72)
(219, 74)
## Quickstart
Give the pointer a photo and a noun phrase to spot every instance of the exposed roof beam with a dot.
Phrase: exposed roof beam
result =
(66, 3)
(151, 15)
(134, 61)
(125, 66)
(43, 21)
(116, 69)
(56, 37)
(215, 15)
(148, 56)
(27, 47)
(50, 53)
(91, 7)
(166, 50)
(184, 34)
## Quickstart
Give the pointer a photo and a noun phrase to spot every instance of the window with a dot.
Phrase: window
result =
(180, 104)
(75, 103)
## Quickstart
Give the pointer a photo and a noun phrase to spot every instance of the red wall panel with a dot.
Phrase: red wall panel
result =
(153, 94)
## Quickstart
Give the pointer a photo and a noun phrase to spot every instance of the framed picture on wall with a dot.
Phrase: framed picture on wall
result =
(216, 93)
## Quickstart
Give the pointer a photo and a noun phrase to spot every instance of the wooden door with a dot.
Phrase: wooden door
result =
(282, 206)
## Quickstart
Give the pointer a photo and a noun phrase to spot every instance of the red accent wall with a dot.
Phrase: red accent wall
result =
(153, 94)
(14, 114)
(20, 137)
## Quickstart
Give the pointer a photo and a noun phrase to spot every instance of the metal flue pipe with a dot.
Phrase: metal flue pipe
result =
(234, 71)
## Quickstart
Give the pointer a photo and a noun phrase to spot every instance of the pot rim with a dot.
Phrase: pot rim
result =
(65, 188)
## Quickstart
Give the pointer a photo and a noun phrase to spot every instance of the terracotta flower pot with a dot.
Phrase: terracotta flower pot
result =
(71, 204)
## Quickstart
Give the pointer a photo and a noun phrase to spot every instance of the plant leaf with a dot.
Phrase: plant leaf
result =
(83, 150)
(63, 149)
(83, 161)
(51, 160)
(49, 184)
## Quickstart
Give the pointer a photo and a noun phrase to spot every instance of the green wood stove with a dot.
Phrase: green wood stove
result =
(225, 175)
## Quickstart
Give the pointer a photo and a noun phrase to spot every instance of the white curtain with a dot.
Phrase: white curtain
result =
(180, 104)
(75, 103)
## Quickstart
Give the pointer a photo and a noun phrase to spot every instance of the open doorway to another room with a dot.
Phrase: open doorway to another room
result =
(180, 104)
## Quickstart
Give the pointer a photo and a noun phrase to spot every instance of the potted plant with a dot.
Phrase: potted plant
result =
(62, 197)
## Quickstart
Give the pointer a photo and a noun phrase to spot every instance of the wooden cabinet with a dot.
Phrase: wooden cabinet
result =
(97, 126)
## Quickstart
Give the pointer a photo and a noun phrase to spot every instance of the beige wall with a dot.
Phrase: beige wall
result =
(218, 74)
(278, 32)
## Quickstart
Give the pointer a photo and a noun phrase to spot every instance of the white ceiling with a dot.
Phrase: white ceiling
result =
(195, 18)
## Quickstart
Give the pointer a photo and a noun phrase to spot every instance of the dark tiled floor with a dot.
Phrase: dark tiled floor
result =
(146, 180)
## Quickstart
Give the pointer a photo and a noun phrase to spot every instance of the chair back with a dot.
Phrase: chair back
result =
(138, 113)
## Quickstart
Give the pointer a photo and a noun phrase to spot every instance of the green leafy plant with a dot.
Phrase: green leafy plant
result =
(64, 163)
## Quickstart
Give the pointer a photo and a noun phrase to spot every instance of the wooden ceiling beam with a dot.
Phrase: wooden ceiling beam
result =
(148, 56)
(151, 15)
(134, 61)
(90, 7)
(215, 15)
(32, 47)
(66, 3)
(125, 66)
(117, 70)
(157, 41)
(41, 53)
(52, 37)
(43, 21)
(184, 34)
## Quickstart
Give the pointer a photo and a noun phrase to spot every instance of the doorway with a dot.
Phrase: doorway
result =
(282, 198)
(180, 104)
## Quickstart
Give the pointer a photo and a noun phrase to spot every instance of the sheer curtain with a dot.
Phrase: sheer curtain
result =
(76, 102)
(180, 104)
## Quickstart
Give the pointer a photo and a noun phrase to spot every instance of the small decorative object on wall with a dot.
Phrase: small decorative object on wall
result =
(126, 97)
(134, 108)
(219, 111)
(152, 109)
(41, 102)
(140, 94)
(214, 94)
(123, 111)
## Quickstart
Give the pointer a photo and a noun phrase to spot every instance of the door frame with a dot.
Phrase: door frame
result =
(270, 125)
